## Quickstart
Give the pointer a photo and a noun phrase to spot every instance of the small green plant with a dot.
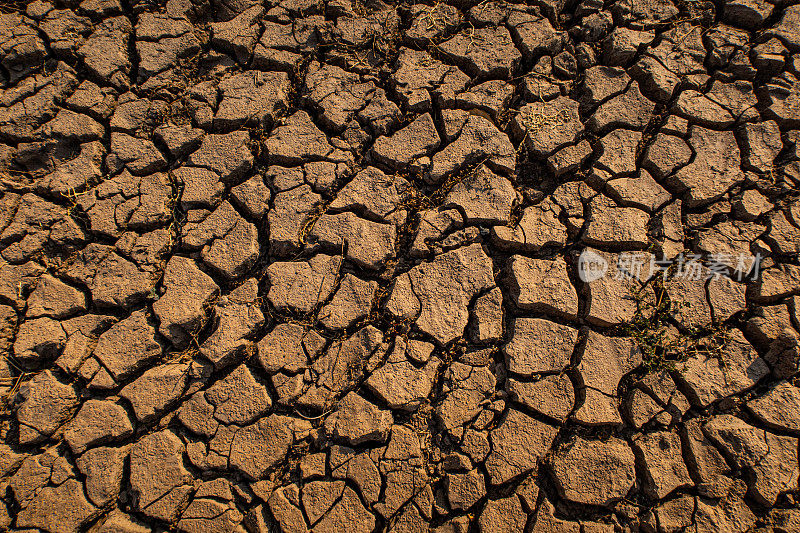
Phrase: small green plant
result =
(662, 344)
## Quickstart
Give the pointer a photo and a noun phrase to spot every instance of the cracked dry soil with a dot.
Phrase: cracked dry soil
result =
(302, 265)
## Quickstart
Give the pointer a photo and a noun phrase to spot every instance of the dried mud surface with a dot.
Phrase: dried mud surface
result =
(313, 266)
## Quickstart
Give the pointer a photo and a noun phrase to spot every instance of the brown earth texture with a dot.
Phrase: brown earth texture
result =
(333, 266)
